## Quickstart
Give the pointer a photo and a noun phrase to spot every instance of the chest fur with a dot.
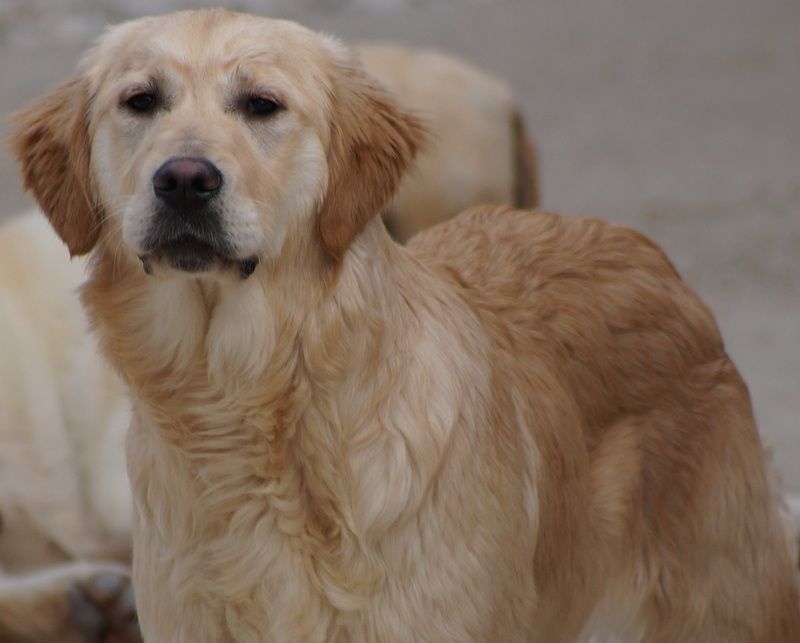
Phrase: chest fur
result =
(259, 559)
(286, 495)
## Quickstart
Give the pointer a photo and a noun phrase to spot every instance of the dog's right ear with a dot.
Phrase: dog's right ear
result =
(51, 142)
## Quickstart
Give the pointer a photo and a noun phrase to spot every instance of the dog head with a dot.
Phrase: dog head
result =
(206, 140)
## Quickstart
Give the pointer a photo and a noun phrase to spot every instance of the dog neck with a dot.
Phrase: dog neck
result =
(332, 404)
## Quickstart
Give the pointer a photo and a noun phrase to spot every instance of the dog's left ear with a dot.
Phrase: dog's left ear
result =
(51, 143)
(373, 142)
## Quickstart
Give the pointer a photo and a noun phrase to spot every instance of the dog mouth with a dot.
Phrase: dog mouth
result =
(190, 254)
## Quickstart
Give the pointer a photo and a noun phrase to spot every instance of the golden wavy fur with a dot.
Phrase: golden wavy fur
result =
(522, 427)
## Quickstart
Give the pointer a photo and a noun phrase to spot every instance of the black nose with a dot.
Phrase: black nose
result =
(187, 182)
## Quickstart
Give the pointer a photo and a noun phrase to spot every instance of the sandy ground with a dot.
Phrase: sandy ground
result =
(680, 117)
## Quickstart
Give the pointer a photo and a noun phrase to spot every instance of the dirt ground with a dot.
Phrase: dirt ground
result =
(679, 117)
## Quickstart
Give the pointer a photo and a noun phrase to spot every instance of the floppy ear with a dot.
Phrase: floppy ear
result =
(51, 142)
(373, 141)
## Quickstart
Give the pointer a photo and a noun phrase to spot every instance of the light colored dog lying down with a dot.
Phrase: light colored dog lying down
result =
(521, 427)
(480, 152)
(64, 495)
(64, 498)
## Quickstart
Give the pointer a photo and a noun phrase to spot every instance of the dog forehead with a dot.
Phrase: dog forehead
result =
(205, 42)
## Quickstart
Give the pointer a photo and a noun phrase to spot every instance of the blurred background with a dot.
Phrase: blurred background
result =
(678, 117)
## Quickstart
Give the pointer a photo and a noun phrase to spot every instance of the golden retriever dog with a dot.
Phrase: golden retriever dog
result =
(63, 413)
(63, 494)
(520, 427)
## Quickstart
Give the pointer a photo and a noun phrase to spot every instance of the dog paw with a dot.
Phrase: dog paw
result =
(103, 610)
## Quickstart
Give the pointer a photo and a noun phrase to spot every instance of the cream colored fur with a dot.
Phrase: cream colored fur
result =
(479, 152)
(523, 427)
(62, 474)
(63, 489)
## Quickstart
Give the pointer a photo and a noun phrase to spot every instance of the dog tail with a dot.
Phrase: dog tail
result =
(526, 175)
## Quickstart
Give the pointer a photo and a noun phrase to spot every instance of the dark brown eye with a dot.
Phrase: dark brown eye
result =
(143, 102)
(262, 106)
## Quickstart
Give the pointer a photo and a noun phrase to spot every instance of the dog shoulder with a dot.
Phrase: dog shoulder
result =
(553, 246)
(574, 287)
